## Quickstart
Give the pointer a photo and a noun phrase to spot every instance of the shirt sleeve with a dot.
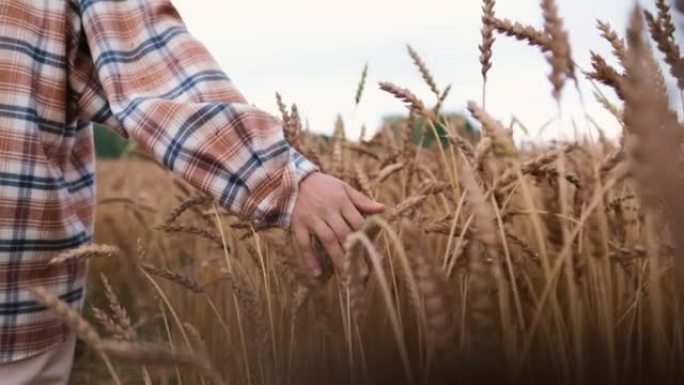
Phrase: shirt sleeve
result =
(158, 86)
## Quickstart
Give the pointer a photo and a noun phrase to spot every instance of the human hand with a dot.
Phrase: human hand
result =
(329, 209)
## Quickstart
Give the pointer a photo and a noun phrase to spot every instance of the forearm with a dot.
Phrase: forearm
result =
(171, 97)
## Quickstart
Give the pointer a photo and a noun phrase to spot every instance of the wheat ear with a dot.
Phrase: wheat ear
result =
(654, 134)
(361, 86)
(412, 102)
(606, 74)
(120, 315)
(487, 33)
(84, 252)
(174, 277)
(424, 70)
(562, 66)
(83, 329)
(521, 32)
(618, 45)
(662, 32)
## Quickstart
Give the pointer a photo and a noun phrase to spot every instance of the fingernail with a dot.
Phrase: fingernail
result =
(316, 272)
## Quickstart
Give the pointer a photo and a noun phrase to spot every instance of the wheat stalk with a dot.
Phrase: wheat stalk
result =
(654, 134)
(481, 151)
(361, 149)
(193, 230)
(362, 133)
(501, 140)
(151, 354)
(108, 323)
(338, 139)
(186, 205)
(406, 206)
(388, 171)
(432, 285)
(483, 307)
(463, 145)
(442, 98)
(83, 329)
(174, 277)
(610, 107)
(283, 111)
(375, 260)
(363, 180)
(535, 165)
(611, 161)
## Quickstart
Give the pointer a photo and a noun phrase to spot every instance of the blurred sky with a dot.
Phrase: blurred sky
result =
(313, 51)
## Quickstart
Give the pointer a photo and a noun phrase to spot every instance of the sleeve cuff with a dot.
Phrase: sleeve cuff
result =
(303, 166)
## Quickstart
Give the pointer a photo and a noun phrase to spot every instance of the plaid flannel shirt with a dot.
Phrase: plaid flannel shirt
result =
(132, 66)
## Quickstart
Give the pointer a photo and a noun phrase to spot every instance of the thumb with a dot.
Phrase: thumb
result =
(364, 204)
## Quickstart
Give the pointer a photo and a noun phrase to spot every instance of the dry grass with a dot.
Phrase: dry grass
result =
(553, 263)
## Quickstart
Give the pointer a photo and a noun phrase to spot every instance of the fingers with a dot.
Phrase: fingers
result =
(362, 202)
(303, 239)
(341, 228)
(330, 242)
(353, 217)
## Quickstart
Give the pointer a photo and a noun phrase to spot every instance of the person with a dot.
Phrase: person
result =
(133, 66)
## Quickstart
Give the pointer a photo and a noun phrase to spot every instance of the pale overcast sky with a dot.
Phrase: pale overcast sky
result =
(313, 51)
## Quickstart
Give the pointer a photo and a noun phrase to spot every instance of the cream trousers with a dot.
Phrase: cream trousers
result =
(50, 368)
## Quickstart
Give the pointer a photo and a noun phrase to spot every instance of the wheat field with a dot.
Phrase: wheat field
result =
(496, 262)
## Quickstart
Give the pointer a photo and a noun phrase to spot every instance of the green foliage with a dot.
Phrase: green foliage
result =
(107, 143)
(422, 133)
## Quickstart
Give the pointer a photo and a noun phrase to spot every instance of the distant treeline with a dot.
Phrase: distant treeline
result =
(110, 145)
